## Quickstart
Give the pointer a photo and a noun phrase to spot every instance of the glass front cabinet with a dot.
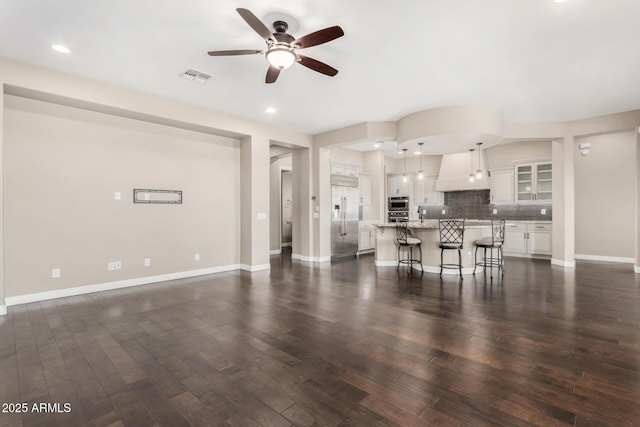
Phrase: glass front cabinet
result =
(533, 182)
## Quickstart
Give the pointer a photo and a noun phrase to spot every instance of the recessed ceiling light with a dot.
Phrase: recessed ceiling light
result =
(270, 110)
(60, 48)
(559, 1)
(417, 153)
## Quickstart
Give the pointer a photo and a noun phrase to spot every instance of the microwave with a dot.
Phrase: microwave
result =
(398, 203)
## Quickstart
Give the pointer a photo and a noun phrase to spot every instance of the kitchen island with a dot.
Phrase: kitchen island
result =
(428, 232)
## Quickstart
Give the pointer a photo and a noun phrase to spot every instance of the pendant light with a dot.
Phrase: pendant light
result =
(420, 172)
(471, 175)
(479, 171)
(405, 178)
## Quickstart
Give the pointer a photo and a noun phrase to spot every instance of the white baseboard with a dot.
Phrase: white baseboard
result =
(3, 310)
(257, 267)
(563, 263)
(605, 258)
(80, 290)
(275, 252)
(310, 258)
(527, 256)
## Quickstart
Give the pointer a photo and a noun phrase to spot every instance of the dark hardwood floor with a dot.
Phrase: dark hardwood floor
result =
(335, 344)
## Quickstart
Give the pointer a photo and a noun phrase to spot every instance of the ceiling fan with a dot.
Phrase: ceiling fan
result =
(282, 48)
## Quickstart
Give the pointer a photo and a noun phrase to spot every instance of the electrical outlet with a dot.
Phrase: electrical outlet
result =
(55, 273)
(116, 265)
(196, 257)
(117, 195)
(495, 211)
(147, 262)
(543, 211)
(444, 212)
(469, 255)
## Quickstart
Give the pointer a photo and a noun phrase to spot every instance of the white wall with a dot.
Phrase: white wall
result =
(605, 189)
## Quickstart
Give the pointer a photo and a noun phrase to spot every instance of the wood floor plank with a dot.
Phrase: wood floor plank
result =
(335, 344)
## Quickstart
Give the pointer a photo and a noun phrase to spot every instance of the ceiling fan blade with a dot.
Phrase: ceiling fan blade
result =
(256, 24)
(319, 37)
(272, 74)
(234, 52)
(318, 66)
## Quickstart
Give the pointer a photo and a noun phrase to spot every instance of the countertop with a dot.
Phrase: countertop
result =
(469, 223)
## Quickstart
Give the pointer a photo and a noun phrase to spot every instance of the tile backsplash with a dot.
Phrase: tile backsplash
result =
(475, 204)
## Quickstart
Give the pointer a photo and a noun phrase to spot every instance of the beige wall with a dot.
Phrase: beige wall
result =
(346, 156)
(373, 165)
(62, 168)
(605, 196)
(430, 164)
(505, 155)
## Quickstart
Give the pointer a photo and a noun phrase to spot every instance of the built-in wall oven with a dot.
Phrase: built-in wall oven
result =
(397, 208)
(398, 203)
(396, 216)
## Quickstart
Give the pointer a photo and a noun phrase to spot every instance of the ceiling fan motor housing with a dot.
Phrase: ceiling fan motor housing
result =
(281, 35)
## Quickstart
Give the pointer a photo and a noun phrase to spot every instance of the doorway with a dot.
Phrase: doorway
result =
(286, 209)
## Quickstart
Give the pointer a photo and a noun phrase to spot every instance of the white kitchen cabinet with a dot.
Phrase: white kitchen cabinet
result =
(343, 169)
(366, 237)
(527, 238)
(425, 192)
(501, 186)
(365, 190)
(515, 241)
(539, 238)
(533, 182)
(398, 186)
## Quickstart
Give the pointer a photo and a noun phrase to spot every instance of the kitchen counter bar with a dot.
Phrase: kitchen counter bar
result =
(428, 232)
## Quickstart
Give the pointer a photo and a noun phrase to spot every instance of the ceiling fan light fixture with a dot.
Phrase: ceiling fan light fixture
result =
(281, 57)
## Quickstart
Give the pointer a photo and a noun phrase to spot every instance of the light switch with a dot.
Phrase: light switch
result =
(444, 212)
(316, 215)
(543, 211)
(117, 195)
(495, 211)
(262, 216)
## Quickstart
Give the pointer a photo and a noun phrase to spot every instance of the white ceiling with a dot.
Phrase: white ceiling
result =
(534, 59)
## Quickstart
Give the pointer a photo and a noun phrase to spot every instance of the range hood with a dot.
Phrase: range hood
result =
(455, 170)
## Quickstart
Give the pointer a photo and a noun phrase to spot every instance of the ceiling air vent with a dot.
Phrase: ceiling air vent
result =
(196, 76)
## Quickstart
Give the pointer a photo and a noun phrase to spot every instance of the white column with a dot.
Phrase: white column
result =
(321, 206)
(302, 219)
(254, 203)
(563, 238)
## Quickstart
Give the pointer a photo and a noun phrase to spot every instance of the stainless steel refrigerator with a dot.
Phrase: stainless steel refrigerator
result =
(344, 216)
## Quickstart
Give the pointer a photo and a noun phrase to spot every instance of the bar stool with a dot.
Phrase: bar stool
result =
(403, 240)
(495, 241)
(451, 238)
